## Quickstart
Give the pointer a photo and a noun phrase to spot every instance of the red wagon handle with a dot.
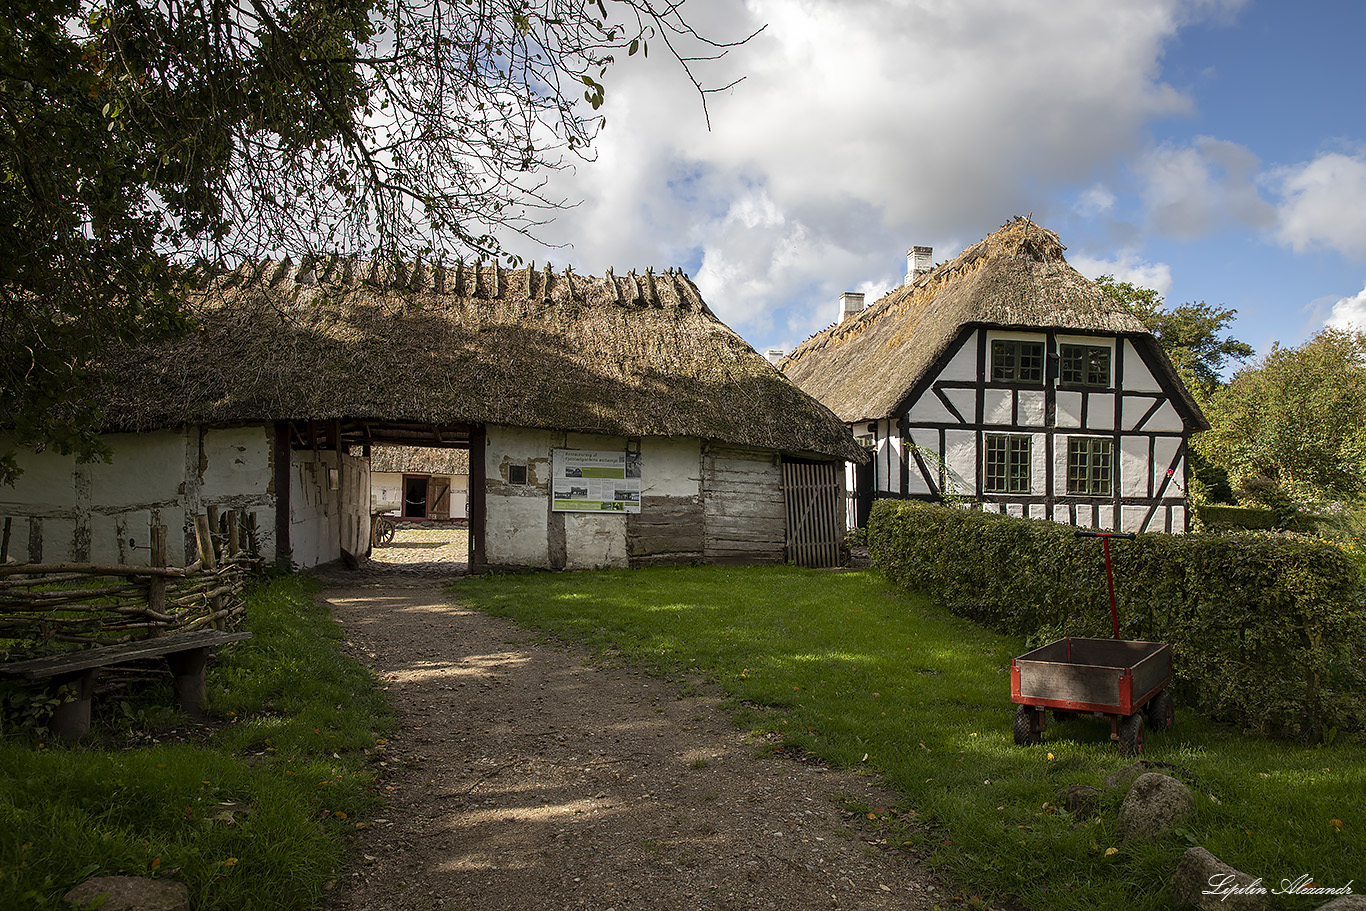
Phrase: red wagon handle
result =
(1105, 537)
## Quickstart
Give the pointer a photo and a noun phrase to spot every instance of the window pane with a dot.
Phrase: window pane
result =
(1090, 466)
(996, 464)
(1002, 361)
(1016, 361)
(1084, 365)
(1007, 463)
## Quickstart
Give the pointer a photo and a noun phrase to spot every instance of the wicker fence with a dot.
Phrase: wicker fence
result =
(44, 607)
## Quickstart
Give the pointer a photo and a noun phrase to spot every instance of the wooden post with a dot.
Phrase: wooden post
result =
(4, 541)
(234, 532)
(206, 557)
(212, 514)
(283, 483)
(478, 504)
(156, 587)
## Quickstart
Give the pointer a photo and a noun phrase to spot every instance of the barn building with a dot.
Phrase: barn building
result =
(420, 482)
(1004, 378)
(609, 421)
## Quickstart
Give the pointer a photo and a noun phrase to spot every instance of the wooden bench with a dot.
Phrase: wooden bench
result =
(187, 654)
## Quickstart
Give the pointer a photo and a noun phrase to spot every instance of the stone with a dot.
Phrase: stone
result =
(1078, 799)
(130, 893)
(1346, 903)
(1122, 778)
(1156, 805)
(1200, 872)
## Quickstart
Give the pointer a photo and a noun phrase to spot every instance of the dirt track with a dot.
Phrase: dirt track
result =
(523, 778)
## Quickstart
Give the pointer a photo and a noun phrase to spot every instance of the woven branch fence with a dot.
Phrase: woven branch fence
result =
(44, 606)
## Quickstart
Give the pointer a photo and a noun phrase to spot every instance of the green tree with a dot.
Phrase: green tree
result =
(1194, 336)
(141, 140)
(1294, 424)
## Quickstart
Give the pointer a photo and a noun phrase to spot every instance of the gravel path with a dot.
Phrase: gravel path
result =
(524, 777)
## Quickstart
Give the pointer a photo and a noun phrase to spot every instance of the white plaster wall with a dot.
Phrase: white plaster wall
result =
(594, 541)
(960, 456)
(103, 513)
(965, 401)
(386, 490)
(998, 406)
(928, 442)
(516, 530)
(1137, 376)
(1100, 411)
(928, 409)
(1068, 409)
(1131, 518)
(963, 364)
(1134, 469)
(670, 467)
(1032, 408)
(1084, 515)
(314, 513)
(1038, 464)
(889, 429)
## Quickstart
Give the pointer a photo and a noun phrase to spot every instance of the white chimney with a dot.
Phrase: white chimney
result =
(919, 261)
(774, 355)
(851, 304)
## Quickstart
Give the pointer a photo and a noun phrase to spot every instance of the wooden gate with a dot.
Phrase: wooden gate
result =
(814, 497)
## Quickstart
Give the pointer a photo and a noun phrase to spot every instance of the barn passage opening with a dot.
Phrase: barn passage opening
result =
(419, 504)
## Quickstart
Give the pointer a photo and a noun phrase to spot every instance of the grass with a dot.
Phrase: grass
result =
(862, 675)
(253, 818)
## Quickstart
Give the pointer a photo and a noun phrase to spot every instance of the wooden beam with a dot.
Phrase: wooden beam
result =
(283, 474)
(478, 505)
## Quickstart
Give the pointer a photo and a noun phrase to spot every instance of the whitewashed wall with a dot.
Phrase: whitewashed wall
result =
(522, 531)
(61, 510)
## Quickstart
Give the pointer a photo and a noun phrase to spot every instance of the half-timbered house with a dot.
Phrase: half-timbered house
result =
(1005, 378)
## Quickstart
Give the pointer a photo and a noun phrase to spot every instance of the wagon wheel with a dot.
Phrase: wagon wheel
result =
(384, 532)
(1131, 735)
(1027, 726)
(1160, 711)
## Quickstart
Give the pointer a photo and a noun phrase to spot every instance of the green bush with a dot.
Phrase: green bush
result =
(1268, 631)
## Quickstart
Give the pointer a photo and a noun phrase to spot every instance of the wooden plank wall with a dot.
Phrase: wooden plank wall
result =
(742, 505)
(815, 513)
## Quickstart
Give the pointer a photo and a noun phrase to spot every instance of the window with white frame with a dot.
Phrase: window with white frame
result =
(1090, 466)
(1007, 463)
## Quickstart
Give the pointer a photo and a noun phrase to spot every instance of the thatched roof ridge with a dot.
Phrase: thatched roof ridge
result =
(865, 367)
(419, 460)
(328, 338)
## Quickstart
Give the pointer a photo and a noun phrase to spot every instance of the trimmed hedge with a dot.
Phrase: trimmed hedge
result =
(1268, 631)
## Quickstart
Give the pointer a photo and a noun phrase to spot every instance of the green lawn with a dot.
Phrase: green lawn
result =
(252, 819)
(845, 667)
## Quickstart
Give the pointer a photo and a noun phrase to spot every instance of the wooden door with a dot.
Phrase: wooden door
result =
(814, 495)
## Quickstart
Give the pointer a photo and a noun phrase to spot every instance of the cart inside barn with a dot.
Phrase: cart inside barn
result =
(1122, 679)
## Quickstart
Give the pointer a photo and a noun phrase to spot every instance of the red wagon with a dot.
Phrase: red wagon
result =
(1123, 679)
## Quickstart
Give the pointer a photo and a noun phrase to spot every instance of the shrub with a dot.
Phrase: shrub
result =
(1267, 630)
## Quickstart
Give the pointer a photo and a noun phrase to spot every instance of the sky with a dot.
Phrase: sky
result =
(1214, 150)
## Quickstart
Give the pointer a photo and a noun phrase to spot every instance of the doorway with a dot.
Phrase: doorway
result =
(415, 496)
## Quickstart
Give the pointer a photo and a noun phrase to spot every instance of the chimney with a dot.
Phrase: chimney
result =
(919, 261)
(774, 355)
(851, 304)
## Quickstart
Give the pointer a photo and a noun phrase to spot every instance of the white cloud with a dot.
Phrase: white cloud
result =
(1349, 313)
(1127, 267)
(1193, 191)
(862, 127)
(1094, 200)
(1324, 204)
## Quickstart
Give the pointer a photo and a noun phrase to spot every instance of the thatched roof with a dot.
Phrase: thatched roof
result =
(420, 460)
(329, 339)
(867, 367)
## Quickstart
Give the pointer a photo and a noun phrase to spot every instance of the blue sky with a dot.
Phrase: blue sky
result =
(1212, 149)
